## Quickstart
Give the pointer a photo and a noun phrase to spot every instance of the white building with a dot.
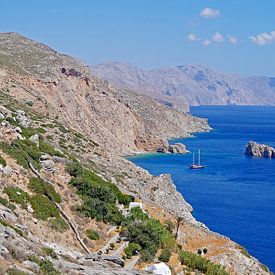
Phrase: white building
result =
(159, 269)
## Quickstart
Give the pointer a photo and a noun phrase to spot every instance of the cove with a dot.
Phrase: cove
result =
(235, 194)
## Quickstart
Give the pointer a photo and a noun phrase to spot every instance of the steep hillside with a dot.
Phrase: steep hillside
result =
(190, 84)
(60, 86)
(65, 189)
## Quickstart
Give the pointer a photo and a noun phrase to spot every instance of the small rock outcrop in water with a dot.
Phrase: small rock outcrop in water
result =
(259, 150)
(177, 148)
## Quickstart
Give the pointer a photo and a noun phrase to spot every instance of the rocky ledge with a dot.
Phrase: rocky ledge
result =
(259, 150)
(177, 148)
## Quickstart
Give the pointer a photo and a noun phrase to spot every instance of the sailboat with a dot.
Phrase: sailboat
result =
(198, 165)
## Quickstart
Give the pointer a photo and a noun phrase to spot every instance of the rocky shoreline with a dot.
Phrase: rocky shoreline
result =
(177, 148)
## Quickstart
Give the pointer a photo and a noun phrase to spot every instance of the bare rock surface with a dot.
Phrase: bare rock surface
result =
(259, 150)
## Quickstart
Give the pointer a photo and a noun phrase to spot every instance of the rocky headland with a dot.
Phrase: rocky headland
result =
(62, 129)
(259, 150)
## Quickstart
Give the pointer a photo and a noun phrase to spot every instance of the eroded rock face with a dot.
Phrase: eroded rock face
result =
(177, 148)
(259, 150)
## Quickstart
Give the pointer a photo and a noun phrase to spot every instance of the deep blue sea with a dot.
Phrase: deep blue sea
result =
(235, 194)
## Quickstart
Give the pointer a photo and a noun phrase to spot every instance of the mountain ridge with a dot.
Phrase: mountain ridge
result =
(189, 85)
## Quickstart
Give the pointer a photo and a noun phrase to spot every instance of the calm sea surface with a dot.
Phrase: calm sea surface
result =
(235, 194)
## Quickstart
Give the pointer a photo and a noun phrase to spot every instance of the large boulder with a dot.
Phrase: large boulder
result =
(177, 148)
(259, 150)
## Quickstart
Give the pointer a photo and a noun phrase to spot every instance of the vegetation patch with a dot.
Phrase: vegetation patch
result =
(18, 231)
(92, 235)
(99, 196)
(3, 161)
(43, 207)
(17, 195)
(149, 233)
(165, 255)
(50, 252)
(58, 224)
(46, 266)
(47, 148)
(7, 204)
(28, 132)
(132, 249)
(15, 271)
(195, 261)
(38, 186)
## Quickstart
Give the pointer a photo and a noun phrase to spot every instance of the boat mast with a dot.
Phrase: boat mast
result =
(193, 158)
(199, 157)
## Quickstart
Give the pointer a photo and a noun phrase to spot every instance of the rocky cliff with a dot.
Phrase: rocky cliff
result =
(39, 75)
(53, 113)
(190, 85)
(259, 150)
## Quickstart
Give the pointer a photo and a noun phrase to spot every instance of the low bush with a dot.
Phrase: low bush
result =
(74, 169)
(18, 231)
(195, 261)
(43, 207)
(165, 255)
(38, 186)
(47, 148)
(46, 266)
(92, 235)
(28, 132)
(17, 195)
(58, 224)
(50, 252)
(99, 196)
(149, 234)
(132, 249)
(15, 271)
(3, 161)
(7, 204)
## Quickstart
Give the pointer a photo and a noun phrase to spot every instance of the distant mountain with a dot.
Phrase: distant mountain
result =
(190, 84)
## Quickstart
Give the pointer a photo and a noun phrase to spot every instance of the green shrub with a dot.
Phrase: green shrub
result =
(18, 231)
(148, 234)
(195, 261)
(12, 121)
(3, 161)
(15, 271)
(244, 251)
(15, 153)
(99, 196)
(74, 169)
(17, 195)
(165, 255)
(95, 208)
(46, 266)
(50, 252)
(38, 186)
(43, 207)
(28, 132)
(7, 204)
(49, 149)
(93, 235)
(58, 224)
(137, 214)
(131, 249)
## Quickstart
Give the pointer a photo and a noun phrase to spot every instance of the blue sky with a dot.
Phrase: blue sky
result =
(228, 35)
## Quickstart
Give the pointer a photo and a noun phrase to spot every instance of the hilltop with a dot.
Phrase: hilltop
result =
(66, 187)
(190, 85)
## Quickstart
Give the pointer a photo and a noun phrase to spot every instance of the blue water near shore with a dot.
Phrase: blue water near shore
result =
(235, 194)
